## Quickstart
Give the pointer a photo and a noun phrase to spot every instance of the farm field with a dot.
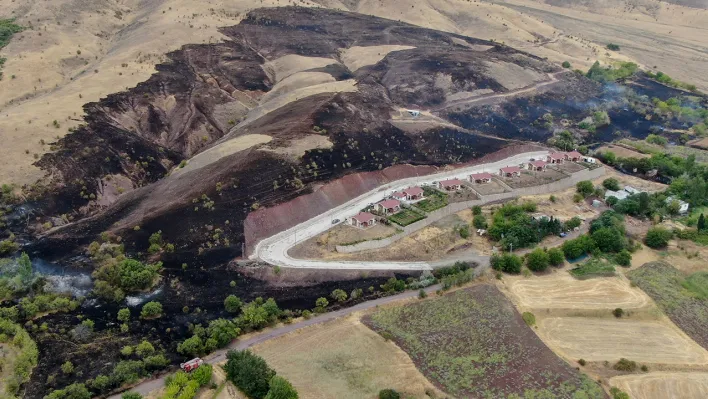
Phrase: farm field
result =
(621, 152)
(598, 339)
(343, 359)
(406, 216)
(561, 291)
(473, 343)
(434, 199)
(683, 298)
(663, 385)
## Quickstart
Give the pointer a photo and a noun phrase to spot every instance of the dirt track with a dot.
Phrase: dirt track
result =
(664, 385)
(595, 339)
(561, 291)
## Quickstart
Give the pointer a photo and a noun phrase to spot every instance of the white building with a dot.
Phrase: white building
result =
(683, 205)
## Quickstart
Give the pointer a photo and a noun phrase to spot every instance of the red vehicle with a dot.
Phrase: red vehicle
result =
(191, 365)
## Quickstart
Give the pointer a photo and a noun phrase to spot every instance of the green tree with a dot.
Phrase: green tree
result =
(202, 374)
(389, 394)
(623, 258)
(124, 315)
(151, 310)
(480, 222)
(566, 64)
(338, 295)
(322, 302)
(608, 239)
(222, 331)
(255, 316)
(476, 210)
(657, 237)
(73, 391)
(280, 388)
(611, 184)
(67, 367)
(144, 348)
(555, 257)
(537, 260)
(701, 225)
(232, 303)
(585, 188)
(249, 373)
(24, 269)
(506, 262)
(192, 346)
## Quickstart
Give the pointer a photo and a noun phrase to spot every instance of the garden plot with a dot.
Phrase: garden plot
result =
(343, 359)
(492, 187)
(663, 385)
(473, 343)
(529, 179)
(568, 167)
(596, 339)
(561, 291)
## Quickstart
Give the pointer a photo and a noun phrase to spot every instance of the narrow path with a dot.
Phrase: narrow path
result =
(146, 387)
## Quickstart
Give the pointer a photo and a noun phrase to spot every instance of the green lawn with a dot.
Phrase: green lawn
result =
(473, 343)
(406, 216)
(594, 267)
(434, 199)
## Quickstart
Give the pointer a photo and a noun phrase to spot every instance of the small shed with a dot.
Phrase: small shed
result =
(510, 171)
(362, 220)
(480, 178)
(451, 185)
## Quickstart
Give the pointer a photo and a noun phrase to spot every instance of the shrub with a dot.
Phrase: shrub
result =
(658, 140)
(625, 365)
(67, 367)
(582, 362)
(608, 239)
(280, 388)
(131, 395)
(202, 374)
(537, 260)
(73, 391)
(618, 394)
(124, 315)
(613, 47)
(555, 257)
(321, 302)
(144, 348)
(232, 303)
(389, 394)
(618, 312)
(584, 188)
(480, 222)
(422, 294)
(151, 310)
(611, 184)
(249, 373)
(623, 258)
(476, 210)
(566, 64)
(508, 263)
(192, 346)
(529, 318)
(464, 231)
(338, 295)
(657, 237)
(645, 368)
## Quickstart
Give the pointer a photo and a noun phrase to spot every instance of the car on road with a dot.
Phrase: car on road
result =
(335, 221)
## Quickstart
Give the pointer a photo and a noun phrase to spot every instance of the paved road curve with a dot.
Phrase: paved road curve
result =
(147, 386)
(274, 249)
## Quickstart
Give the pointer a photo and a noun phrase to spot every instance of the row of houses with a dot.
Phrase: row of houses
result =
(387, 206)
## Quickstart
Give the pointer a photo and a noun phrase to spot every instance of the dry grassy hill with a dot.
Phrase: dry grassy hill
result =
(78, 51)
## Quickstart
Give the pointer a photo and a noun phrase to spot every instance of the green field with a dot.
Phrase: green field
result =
(434, 199)
(406, 216)
(593, 268)
(683, 298)
(473, 343)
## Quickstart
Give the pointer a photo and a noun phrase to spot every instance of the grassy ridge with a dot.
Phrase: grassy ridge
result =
(683, 299)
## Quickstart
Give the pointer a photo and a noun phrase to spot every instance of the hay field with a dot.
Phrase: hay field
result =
(562, 291)
(663, 385)
(357, 57)
(342, 359)
(596, 339)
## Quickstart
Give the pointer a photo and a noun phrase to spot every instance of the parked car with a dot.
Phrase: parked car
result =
(335, 221)
(563, 234)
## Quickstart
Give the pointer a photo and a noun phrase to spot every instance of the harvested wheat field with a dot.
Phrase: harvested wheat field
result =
(663, 385)
(595, 339)
(562, 291)
(343, 359)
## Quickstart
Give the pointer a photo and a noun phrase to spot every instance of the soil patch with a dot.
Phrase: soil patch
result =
(342, 359)
(622, 152)
(473, 343)
(561, 291)
(529, 179)
(663, 385)
(493, 187)
(595, 339)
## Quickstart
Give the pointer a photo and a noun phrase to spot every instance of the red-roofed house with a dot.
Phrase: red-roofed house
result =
(510, 171)
(413, 193)
(362, 220)
(481, 177)
(538, 165)
(556, 157)
(573, 156)
(399, 195)
(450, 185)
(388, 206)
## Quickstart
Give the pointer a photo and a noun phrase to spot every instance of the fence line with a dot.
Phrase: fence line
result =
(438, 214)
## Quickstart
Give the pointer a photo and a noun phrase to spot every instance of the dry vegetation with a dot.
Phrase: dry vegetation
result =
(664, 385)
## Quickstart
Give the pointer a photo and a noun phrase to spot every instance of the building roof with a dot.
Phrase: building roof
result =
(511, 169)
(574, 154)
(557, 155)
(390, 203)
(363, 217)
(413, 191)
(399, 194)
(480, 176)
(538, 164)
(451, 182)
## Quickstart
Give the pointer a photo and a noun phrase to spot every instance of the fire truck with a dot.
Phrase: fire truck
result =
(191, 365)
